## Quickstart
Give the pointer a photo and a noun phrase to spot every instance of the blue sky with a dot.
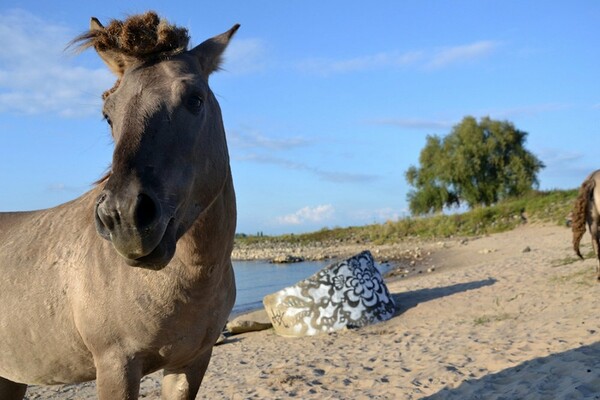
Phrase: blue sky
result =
(326, 104)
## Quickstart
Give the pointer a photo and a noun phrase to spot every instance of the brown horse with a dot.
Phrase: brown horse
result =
(587, 211)
(135, 275)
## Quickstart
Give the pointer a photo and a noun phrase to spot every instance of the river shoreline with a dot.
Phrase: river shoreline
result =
(402, 260)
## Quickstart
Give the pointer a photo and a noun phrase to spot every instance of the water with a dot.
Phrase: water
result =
(256, 279)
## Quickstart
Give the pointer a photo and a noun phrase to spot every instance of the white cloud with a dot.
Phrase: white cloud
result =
(36, 74)
(244, 56)
(527, 110)
(367, 62)
(379, 215)
(560, 158)
(319, 213)
(258, 140)
(426, 59)
(61, 187)
(329, 176)
(414, 123)
(458, 54)
(446, 124)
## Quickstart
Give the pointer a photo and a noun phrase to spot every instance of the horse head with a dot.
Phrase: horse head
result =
(170, 159)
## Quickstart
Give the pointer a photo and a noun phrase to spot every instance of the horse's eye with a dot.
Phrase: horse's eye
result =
(107, 119)
(195, 103)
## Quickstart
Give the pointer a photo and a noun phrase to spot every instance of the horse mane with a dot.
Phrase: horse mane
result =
(139, 38)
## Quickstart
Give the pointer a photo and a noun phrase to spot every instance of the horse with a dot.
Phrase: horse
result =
(135, 275)
(586, 210)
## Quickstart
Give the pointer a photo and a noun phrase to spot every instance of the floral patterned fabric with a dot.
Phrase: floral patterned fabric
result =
(350, 294)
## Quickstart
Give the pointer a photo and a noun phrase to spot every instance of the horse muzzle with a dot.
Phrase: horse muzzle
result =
(136, 227)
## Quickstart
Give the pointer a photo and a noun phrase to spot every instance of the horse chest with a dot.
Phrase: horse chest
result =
(156, 315)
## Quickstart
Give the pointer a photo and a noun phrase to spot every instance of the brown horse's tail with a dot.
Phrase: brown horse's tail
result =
(580, 210)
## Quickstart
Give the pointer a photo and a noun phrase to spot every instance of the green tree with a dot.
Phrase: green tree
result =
(477, 164)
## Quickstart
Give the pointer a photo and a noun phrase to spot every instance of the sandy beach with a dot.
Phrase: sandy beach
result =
(505, 316)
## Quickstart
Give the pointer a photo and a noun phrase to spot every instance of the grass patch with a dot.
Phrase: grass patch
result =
(589, 254)
(571, 259)
(482, 320)
(565, 261)
(584, 277)
(486, 319)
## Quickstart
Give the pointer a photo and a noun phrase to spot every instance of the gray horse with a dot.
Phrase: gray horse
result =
(135, 275)
(586, 211)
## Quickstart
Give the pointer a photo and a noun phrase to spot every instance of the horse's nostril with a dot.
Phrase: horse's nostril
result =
(103, 215)
(145, 211)
(104, 224)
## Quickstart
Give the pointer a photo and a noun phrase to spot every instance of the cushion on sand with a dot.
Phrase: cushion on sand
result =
(347, 294)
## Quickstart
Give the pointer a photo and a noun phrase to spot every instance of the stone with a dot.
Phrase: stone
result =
(253, 321)
(347, 294)
(287, 259)
(486, 251)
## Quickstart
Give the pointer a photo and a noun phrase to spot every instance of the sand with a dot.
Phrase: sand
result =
(507, 316)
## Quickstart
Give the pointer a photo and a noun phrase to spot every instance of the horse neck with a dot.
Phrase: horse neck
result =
(209, 241)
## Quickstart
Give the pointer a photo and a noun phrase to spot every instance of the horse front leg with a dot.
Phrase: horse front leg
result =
(117, 378)
(10, 390)
(183, 384)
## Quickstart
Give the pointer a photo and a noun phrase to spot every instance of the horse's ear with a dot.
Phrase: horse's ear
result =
(210, 52)
(116, 62)
(95, 24)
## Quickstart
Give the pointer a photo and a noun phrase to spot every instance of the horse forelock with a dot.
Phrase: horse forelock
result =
(138, 38)
(145, 36)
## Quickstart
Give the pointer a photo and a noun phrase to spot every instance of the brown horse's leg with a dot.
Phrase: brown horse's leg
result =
(596, 249)
(183, 384)
(596, 244)
(10, 390)
(116, 379)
